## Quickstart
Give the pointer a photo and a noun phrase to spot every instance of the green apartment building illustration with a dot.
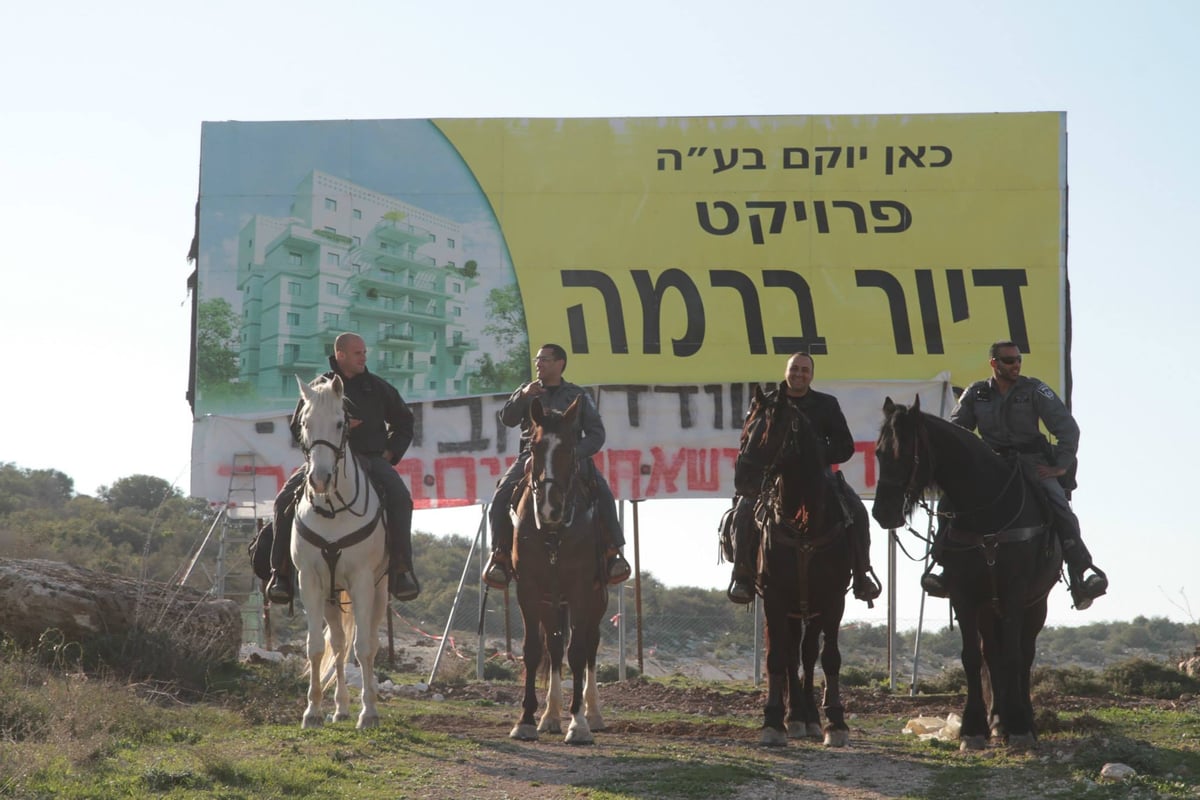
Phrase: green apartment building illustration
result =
(349, 259)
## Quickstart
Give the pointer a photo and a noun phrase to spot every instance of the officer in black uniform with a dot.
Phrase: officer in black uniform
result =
(1006, 409)
(381, 429)
(555, 394)
(825, 414)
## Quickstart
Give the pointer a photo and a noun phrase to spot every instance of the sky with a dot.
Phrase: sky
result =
(100, 115)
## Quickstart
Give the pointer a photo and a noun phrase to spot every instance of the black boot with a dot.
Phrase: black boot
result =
(402, 581)
(866, 585)
(279, 588)
(1083, 589)
(741, 586)
(618, 569)
(934, 584)
(498, 571)
(745, 553)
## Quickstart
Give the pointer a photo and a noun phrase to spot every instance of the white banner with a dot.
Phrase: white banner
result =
(663, 442)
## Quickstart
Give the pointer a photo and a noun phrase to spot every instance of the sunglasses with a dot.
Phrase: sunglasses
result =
(1010, 360)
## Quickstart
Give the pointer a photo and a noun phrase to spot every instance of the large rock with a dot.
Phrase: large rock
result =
(36, 595)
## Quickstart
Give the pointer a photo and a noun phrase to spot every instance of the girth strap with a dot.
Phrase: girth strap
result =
(990, 543)
(332, 551)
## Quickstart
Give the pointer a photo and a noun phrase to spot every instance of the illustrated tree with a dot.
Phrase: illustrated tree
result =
(506, 313)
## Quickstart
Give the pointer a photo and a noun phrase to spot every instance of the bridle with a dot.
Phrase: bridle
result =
(541, 486)
(339, 457)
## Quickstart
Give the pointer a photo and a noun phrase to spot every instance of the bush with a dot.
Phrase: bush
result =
(611, 673)
(1075, 681)
(1143, 678)
(951, 681)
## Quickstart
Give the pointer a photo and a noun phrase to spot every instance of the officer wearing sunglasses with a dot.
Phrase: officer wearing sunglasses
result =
(1006, 409)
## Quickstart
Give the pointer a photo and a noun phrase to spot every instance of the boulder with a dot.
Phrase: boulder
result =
(37, 594)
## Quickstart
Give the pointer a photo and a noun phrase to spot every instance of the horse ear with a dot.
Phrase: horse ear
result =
(888, 406)
(759, 395)
(916, 406)
(572, 410)
(536, 412)
(305, 390)
(338, 387)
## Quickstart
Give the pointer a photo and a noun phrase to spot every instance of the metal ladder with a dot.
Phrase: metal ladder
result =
(235, 580)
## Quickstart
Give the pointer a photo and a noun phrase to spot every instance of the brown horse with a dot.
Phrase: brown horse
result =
(1000, 558)
(805, 553)
(559, 586)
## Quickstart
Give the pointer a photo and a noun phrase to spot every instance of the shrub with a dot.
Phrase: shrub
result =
(1075, 681)
(1144, 678)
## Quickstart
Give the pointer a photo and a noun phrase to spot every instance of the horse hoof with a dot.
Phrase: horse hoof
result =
(524, 732)
(315, 721)
(339, 717)
(579, 735)
(596, 723)
(550, 726)
(1021, 743)
(837, 738)
(972, 743)
(797, 730)
(773, 738)
(813, 729)
(367, 722)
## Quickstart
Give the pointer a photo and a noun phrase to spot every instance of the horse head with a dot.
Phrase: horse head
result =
(905, 463)
(553, 473)
(323, 432)
(779, 443)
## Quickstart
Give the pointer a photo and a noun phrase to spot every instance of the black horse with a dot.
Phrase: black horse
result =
(1000, 557)
(558, 578)
(805, 573)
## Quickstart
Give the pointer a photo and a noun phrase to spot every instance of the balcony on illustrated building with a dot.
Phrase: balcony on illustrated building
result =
(402, 233)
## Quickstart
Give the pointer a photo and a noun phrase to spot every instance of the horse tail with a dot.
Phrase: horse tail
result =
(329, 659)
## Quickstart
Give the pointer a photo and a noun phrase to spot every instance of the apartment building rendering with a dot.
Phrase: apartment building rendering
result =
(347, 258)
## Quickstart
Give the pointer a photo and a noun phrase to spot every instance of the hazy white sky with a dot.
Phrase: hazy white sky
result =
(100, 114)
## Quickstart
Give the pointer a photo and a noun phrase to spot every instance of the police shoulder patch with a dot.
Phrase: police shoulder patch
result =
(1046, 391)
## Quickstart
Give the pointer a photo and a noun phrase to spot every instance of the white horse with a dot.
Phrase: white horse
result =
(340, 555)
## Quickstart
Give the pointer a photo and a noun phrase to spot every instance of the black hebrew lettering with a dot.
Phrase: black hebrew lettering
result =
(676, 158)
(897, 307)
(418, 425)
(651, 295)
(916, 157)
(1010, 281)
(684, 393)
(945, 162)
(751, 308)
(756, 161)
(632, 406)
(860, 216)
(778, 209)
(927, 301)
(731, 217)
(808, 340)
(956, 287)
(797, 152)
(477, 441)
(879, 212)
(717, 392)
(824, 160)
(615, 315)
(722, 165)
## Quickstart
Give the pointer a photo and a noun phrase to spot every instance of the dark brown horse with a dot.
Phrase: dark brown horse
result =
(1000, 558)
(557, 568)
(805, 557)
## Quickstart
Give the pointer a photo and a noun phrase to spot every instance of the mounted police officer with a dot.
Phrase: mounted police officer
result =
(1006, 409)
(381, 429)
(555, 394)
(825, 414)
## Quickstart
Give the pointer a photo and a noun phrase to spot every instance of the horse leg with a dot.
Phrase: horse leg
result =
(526, 729)
(551, 721)
(1014, 711)
(975, 724)
(990, 640)
(337, 624)
(366, 645)
(804, 719)
(313, 600)
(591, 688)
(1035, 619)
(779, 649)
(837, 734)
(579, 732)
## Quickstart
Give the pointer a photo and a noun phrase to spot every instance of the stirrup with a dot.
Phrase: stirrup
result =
(496, 573)
(867, 587)
(934, 585)
(279, 589)
(403, 585)
(740, 591)
(1085, 590)
(618, 569)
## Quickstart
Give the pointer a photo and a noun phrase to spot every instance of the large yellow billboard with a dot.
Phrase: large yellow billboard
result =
(706, 249)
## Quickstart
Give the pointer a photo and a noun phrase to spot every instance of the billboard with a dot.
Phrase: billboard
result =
(660, 252)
